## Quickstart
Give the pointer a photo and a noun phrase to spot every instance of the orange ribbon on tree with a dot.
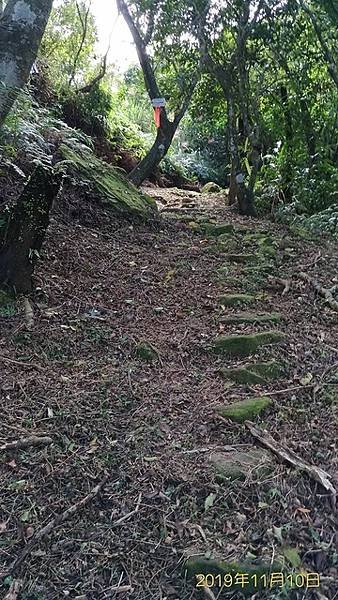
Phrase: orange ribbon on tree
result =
(158, 104)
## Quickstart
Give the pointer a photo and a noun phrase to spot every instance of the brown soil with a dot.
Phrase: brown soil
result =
(102, 287)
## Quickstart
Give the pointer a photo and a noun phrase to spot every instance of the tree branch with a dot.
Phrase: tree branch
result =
(84, 25)
(89, 86)
(331, 65)
(145, 62)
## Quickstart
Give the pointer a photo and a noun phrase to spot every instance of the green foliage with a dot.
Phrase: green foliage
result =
(89, 112)
(62, 41)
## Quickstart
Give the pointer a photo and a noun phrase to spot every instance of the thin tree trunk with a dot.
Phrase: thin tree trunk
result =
(309, 133)
(245, 195)
(22, 25)
(168, 128)
(157, 152)
(26, 230)
(288, 127)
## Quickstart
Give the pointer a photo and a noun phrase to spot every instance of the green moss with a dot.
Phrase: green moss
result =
(245, 409)
(242, 258)
(146, 352)
(197, 566)
(238, 465)
(110, 183)
(252, 318)
(258, 373)
(244, 345)
(236, 299)
(216, 229)
(211, 188)
(7, 304)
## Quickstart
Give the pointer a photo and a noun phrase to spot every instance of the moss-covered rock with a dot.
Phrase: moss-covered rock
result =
(211, 188)
(254, 462)
(244, 345)
(7, 304)
(251, 318)
(146, 351)
(236, 299)
(216, 229)
(258, 373)
(245, 409)
(109, 182)
(256, 574)
(241, 258)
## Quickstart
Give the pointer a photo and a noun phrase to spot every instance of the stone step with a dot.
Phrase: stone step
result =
(236, 299)
(253, 463)
(244, 409)
(216, 229)
(244, 345)
(258, 373)
(241, 258)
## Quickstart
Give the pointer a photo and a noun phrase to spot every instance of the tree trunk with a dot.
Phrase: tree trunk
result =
(287, 168)
(309, 133)
(156, 153)
(245, 195)
(22, 25)
(26, 230)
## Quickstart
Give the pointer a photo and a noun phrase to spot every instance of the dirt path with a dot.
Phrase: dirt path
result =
(120, 370)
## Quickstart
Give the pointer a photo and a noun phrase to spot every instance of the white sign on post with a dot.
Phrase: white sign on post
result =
(158, 102)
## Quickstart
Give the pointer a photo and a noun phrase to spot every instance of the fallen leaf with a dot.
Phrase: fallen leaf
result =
(209, 501)
(13, 591)
(291, 554)
(25, 516)
(277, 532)
(3, 527)
(306, 379)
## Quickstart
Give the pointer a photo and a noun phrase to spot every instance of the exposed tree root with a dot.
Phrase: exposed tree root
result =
(324, 292)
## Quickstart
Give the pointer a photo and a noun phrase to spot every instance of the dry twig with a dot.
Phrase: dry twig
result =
(29, 314)
(48, 528)
(130, 514)
(32, 440)
(291, 457)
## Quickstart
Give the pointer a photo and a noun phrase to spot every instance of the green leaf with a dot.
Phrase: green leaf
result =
(209, 501)
(292, 556)
(247, 166)
(306, 379)
(25, 516)
(18, 485)
(277, 532)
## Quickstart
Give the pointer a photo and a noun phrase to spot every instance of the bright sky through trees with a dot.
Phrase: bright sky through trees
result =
(122, 51)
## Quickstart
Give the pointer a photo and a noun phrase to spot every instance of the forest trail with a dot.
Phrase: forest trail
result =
(126, 368)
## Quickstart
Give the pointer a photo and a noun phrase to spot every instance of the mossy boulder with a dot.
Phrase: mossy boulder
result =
(251, 318)
(109, 183)
(146, 352)
(245, 409)
(236, 299)
(216, 229)
(211, 188)
(238, 465)
(242, 258)
(258, 373)
(7, 304)
(244, 345)
(198, 567)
